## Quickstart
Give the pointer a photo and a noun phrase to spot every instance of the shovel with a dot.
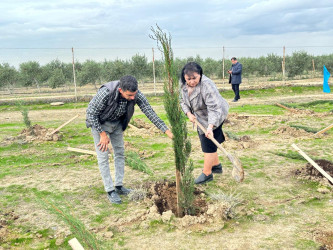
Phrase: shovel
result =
(237, 171)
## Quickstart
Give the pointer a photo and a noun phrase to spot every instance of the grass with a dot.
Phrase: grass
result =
(133, 160)
(317, 106)
(305, 128)
(268, 188)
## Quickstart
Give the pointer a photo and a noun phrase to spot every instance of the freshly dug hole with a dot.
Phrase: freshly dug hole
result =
(165, 198)
(313, 173)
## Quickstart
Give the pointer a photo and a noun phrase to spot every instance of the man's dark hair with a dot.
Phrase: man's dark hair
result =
(128, 83)
(189, 69)
(234, 58)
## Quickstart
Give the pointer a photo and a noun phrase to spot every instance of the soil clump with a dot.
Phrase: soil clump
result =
(164, 196)
(34, 133)
(311, 173)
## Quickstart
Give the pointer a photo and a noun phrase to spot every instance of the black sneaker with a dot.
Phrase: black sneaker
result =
(235, 100)
(122, 190)
(114, 197)
(217, 169)
(203, 179)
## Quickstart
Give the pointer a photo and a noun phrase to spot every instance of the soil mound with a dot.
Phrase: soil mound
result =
(311, 173)
(5, 219)
(141, 128)
(325, 238)
(165, 198)
(286, 131)
(34, 133)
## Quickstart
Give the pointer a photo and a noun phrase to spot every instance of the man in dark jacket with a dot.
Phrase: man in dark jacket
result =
(235, 77)
(108, 115)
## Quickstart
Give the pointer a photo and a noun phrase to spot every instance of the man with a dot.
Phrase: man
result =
(235, 77)
(108, 115)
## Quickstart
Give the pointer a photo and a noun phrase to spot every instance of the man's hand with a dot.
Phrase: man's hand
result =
(229, 71)
(169, 134)
(191, 117)
(103, 142)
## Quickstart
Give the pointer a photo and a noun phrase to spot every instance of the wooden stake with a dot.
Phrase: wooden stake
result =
(284, 63)
(313, 163)
(223, 67)
(75, 244)
(63, 125)
(178, 179)
(132, 126)
(84, 151)
(282, 106)
(74, 76)
(324, 130)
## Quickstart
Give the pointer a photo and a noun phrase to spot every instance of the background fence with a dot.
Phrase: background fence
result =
(41, 68)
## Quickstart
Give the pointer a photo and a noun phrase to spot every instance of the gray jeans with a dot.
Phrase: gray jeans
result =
(115, 132)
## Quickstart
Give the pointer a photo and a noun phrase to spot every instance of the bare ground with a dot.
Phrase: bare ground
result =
(274, 192)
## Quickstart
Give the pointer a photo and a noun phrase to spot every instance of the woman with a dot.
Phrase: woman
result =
(202, 101)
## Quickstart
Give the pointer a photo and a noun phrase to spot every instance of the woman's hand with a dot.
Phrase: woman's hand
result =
(191, 117)
(209, 132)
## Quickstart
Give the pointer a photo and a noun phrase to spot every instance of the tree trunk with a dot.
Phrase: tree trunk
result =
(37, 84)
(178, 179)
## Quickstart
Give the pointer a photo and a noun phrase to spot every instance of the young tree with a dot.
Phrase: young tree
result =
(181, 143)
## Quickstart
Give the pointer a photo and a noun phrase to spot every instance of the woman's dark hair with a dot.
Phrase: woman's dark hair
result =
(189, 69)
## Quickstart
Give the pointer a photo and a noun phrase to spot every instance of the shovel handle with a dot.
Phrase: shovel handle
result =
(212, 138)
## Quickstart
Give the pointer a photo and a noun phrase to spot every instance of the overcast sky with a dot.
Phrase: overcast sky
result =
(194, 24)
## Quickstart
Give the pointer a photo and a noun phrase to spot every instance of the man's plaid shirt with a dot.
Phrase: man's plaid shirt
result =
(99, 102)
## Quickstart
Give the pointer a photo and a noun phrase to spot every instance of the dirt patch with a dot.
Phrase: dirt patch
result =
(144, 154)
(164, 196)
(311, 173)
(286, 131)
(141, 128)
(5, 217)
(34, 133)
(325, 238)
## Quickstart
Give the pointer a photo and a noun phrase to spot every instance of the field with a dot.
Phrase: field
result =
(49, 195)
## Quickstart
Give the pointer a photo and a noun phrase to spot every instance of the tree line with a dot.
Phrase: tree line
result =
(56, 73)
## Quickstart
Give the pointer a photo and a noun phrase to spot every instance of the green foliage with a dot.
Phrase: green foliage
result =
(139, 67)
(63, 211)
(187, 191)
(134, 161)
(90, 73)
(232, 135)
(307, 129)
(298, 63)
(30, 73)
(57, 79)
(114, 70)
(181, 143)
(290, 154)
(8, 75)
(25, 113)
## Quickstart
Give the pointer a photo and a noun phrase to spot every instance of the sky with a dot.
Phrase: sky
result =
(120, 28)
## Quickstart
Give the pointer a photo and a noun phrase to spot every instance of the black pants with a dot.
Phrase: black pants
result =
(235, 88)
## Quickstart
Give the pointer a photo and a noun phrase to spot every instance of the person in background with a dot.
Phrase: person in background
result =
(201, 101)
(235, 77)
(108, 115)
